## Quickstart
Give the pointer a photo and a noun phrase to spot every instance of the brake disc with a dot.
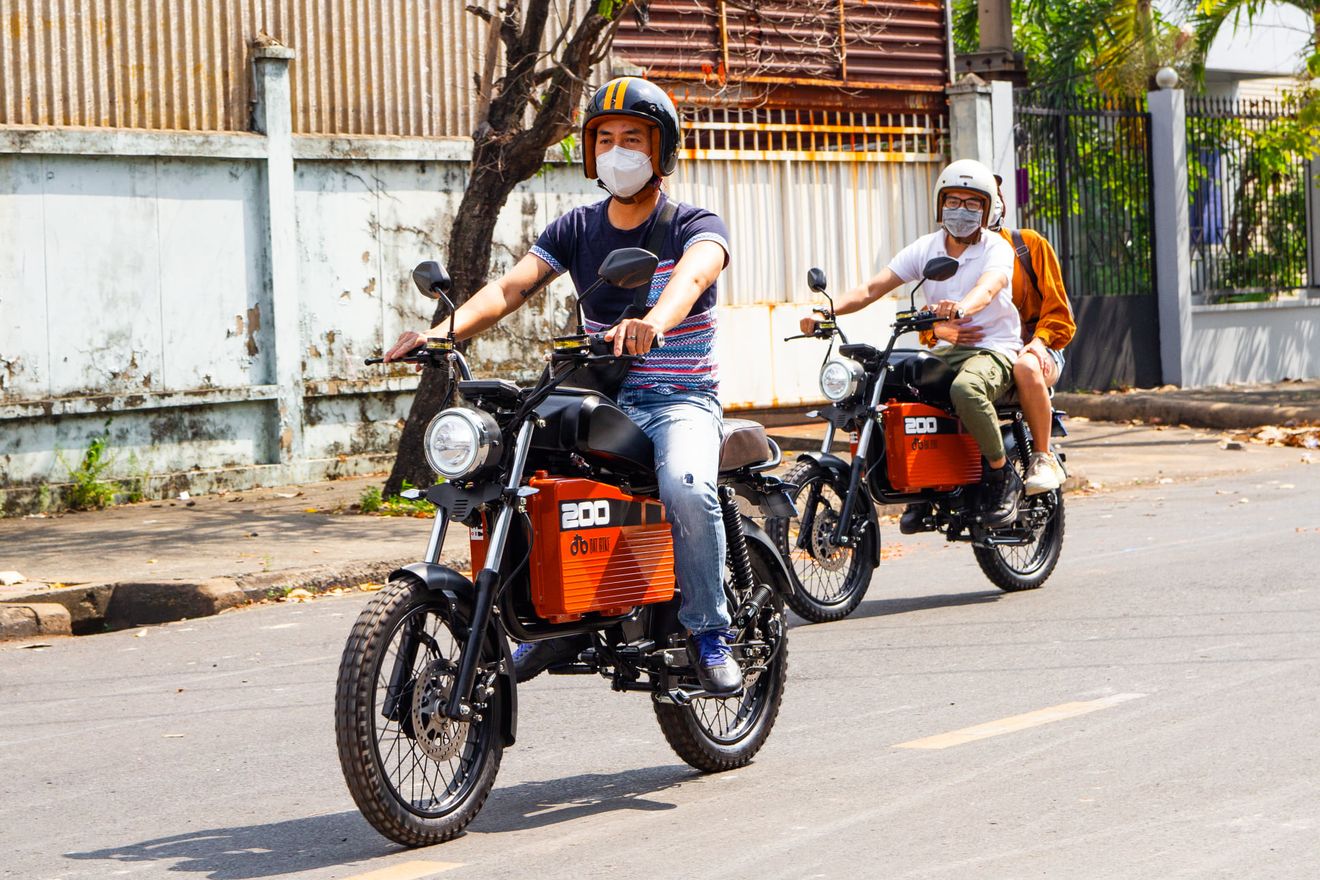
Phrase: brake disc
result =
(824, 551)
(441, 738)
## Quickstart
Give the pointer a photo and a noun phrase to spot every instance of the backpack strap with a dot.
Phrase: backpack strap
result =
(656, 240)
(1024, 257)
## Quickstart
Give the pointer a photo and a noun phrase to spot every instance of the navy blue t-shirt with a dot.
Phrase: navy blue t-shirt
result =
(578, 243)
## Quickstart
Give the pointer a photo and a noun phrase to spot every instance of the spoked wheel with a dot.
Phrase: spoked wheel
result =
(830, 580)
(1014, 567)
(715, 734)
(417, 776)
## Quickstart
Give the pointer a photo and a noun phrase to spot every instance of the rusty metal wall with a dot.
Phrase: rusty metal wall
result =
(876, 51)
(375, 67)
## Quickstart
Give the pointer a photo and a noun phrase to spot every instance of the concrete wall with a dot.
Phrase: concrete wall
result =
(206, 300)
(1254, 342)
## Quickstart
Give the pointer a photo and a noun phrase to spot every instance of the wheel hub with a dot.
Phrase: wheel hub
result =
(441, 738)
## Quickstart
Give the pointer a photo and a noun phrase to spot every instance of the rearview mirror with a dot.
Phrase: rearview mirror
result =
(816, 279)
(431, 279)
(940, 269)
(629, 267)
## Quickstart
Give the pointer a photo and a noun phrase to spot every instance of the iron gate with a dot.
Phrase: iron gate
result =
(1083, 181)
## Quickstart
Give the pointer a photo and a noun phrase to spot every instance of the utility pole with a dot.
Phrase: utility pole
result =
(995, 58)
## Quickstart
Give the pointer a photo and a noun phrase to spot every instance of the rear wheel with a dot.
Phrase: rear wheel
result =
(1027, 565)
(418, 777)
(716, 734)
(830, 580)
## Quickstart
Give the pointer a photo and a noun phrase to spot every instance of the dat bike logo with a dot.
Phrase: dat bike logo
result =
(585, 515)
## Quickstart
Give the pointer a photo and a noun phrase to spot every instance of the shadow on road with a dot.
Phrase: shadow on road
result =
(250, 851)
(884, 607)
(299, 845)
(540, 803)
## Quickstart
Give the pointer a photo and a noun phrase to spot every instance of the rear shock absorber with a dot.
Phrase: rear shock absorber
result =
(739, 560)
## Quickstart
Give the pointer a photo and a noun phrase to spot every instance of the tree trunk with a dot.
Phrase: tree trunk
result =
(467, 259)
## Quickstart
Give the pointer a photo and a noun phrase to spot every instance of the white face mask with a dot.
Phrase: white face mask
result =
(624, 172)
(961, 222)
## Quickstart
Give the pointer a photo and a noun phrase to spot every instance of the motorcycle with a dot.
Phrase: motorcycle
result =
(569, 538)
(908, 447)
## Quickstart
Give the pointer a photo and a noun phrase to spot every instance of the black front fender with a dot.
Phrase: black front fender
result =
(841, 470)
(458, 593)
(827, 460)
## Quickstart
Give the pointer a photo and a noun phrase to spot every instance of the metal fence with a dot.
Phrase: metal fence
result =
(1247, 186)
(812, 135)
(1083, 181)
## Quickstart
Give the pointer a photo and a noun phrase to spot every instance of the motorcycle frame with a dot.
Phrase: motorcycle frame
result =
(486, 606)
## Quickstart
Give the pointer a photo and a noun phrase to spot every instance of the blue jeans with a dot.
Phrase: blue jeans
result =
(686, 429)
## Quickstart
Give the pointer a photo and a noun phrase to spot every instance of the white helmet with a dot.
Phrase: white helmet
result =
(967, 174)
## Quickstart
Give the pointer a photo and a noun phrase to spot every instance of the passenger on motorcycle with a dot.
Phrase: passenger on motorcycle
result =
(980, 292)
(630, 139)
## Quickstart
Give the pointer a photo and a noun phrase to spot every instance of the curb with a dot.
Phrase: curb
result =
(1158, 409)
(22, 621)
(89, 609)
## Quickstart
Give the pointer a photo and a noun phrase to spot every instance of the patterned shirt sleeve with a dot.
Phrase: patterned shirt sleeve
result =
(706, 226)
(555, 245)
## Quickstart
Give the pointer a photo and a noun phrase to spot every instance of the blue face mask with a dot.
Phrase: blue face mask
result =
(961, 222)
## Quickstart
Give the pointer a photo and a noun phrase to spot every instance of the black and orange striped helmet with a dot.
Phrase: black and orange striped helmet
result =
(637, 97)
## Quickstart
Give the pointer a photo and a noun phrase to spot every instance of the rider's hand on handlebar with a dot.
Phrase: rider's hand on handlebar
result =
(408, 341)
(947, 309)
(958, 331)
(634, 336)
(808, 325)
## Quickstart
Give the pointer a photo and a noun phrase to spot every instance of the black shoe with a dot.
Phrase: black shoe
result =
(717, 671)
(1003, 490)
(532, 658)
(914, 518)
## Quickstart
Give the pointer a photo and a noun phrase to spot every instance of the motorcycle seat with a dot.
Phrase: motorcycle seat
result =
(745, 443)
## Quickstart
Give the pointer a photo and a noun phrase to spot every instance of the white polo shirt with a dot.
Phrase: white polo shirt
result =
(999, 321)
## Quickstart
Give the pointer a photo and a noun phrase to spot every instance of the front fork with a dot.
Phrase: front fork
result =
(459, 705)
(841, 536)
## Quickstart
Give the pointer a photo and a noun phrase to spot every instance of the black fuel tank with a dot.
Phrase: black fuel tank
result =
(584, 422)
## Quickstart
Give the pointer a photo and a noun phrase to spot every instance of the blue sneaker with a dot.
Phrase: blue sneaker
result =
(717, 671)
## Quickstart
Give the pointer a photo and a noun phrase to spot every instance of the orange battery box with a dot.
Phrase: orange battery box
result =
(928, 449)
(596, 548)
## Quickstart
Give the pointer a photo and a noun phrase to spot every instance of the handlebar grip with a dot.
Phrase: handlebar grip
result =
(372, 361)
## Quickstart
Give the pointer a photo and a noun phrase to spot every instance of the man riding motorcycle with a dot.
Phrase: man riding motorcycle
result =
(980, 293)
(1047, 328)
(630, 140)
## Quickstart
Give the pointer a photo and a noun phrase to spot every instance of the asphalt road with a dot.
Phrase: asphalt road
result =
(1161, 692)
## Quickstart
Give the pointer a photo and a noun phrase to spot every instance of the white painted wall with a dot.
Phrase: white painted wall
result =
(1254, 342)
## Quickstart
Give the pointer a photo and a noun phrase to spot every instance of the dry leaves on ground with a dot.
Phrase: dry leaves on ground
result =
(1276, 435)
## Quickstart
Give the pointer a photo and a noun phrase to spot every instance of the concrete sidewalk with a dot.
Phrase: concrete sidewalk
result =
(157, 561)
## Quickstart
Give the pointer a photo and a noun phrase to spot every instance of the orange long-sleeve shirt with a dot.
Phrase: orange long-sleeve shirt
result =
(1045, 312)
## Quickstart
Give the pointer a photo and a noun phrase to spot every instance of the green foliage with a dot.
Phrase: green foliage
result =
(88, 491)
(609, 8)
(374, 501)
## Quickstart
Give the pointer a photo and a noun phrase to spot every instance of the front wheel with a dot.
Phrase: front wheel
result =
(1027, 565)
(417, 776)
(716, 734)
(830, 580)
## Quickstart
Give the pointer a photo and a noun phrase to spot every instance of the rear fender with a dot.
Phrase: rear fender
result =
(756, 535)
(458, 593)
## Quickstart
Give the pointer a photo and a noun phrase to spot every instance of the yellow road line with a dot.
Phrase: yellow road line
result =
(407, 871)
(1016, 723)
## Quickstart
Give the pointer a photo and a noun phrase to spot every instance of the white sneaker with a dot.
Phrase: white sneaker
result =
(1045, 474)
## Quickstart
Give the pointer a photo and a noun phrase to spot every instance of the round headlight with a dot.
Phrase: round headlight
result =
(459, 441)
(839, 378)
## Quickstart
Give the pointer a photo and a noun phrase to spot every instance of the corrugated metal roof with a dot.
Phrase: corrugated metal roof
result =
(375, 67)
